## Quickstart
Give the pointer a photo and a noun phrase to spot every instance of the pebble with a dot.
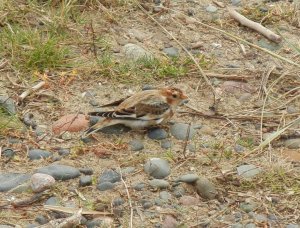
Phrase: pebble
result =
(86, 171)
(250, 225)
(118, 202)
(136, 145)
(159, 202)
(171, 51)
(164, 195)
(190, 12)
(117, 129)
(247, 207)
(40, 130)
(94, 103)
(157, 134)
(169, 222)
(235, 2)
(31, 225)
(85, 181)
(60, 172)
(29, 120)
(11, 180)
(127, 170)
(180, 131)
(96, 222)
(292, 143)
(40, 182)
(248, 171)
(237, 225)
(35, 154)
(138, 34)
(41, 219)
(147, 204)
(258, 217)
(211, 9)
(292, 226)
(64, 151)
(291, 110)
(205, 188)
(8, 153)
(188, 200)
(135, 52)
(109, 175)
(166, 144)
(9, 104)
(179, 191)
(192, 148)
(272, 217)
(157, 183)
(148, 87)
(238, 148)
(105, 186)
(188, 178)
(54, 201)
(139, 186)
(157, 167)
(264, 43)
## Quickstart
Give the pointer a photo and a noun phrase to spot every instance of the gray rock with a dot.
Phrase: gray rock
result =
(292, 226)
(8, 153)
(109, 175)
(135, 52)
(179, 191)
(188, 178)
(247, 207)
(159, 202)
(164, 195)
(147, 204)
(60, 172)
(118, 202)
(259, 217)
(40, 182)
(41, 219)
(180, 131)
(31, 225)
(157, 134)
(117, 129)
(248, 171)
(157, 168)
(63, 151)
(6, 226)
(264, 43)
(86, 171)
(211, 9)
(29, 120)
(139, 186)
(250, 225)
(11, 180)
(9, 104)
(191, 148)
(157, 183)
(127, 170)
(54, 201)
(272, 217)
(171, 51)
(25, 187)
(292, 143)
(205, 188)
(136, 145)
(292, 110)
(148, 87)
(238, 148)
(235, 2)
(36, 154)
(94, 223)
(85, 181)
(237, 225)
(166, 144)
(105, 186)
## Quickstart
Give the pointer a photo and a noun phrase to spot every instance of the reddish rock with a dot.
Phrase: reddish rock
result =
(71, 123)
(237, 87)
(40, 182)
(188, 200)
(169, 222)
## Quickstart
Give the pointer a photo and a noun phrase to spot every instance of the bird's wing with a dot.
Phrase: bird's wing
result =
(115, 103)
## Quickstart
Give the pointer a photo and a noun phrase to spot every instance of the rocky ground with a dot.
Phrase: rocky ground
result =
(206, 168)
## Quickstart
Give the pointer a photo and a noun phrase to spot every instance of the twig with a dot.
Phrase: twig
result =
(254, 25)
(32, 89)
(73, 210)
(93, 39)
(129, 199)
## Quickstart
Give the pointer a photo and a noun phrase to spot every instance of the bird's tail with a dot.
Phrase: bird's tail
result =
(98, 126)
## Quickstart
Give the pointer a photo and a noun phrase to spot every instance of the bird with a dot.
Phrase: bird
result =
(143, 109)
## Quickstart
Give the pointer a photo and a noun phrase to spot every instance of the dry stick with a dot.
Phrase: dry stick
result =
(254, 25)
(93, 40)
(189, 54)
(240, 39)
(129, 199)
(32, 89)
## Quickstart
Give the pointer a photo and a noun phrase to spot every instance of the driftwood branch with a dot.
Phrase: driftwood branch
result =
(31, 90)
(254, 25)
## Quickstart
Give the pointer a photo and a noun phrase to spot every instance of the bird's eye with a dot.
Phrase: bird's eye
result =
(174, 95)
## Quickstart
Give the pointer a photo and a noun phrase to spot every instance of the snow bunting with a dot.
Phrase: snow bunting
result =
(143, 109)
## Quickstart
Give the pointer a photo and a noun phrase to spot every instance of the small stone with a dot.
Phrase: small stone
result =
(109, 175)
(211, 9)
(40, 130)
(179, 191)
(157, 134)
(40, 182)
(292, 143)
(190, 12)
(248, 171)
(159, 202)
(192, 148)
(29, 120)
(157, 183)
(54, 201)
(157, 9)
(188, 178)
(188, 200)
(237, 225)
(181, 130)
(263, 9)
(64, 151)
(117, 129)
(8, 153)
(31, 225)
(86, 171)
(272, 217)
(36, 154)
(118, 202)
(94, 223)
(94, 102)
(171, 51)
(60, 172)
(93, 120)
(205, 188)
(135, 52)
(238, 148)
(250, 225)
(85, 181)
(166, 144)
(259, 217)
(291, 110)
(292, 226)
(8, 103)
(136, 145)
(139, 186)
(157, 168)
(147, 204)
(105, 186)
(264, 43)
(127, 170)
(247, 207)
(169, 222)
(235, 2)
(148, 87)
(164, 195)
(12, 180)
(40, 219)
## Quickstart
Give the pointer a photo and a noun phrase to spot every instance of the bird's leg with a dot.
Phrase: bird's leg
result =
(98, 126)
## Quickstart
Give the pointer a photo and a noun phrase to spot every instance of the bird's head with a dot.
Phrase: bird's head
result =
(174, 96)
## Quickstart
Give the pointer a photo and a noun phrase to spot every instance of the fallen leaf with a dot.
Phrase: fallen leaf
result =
(71, 123)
